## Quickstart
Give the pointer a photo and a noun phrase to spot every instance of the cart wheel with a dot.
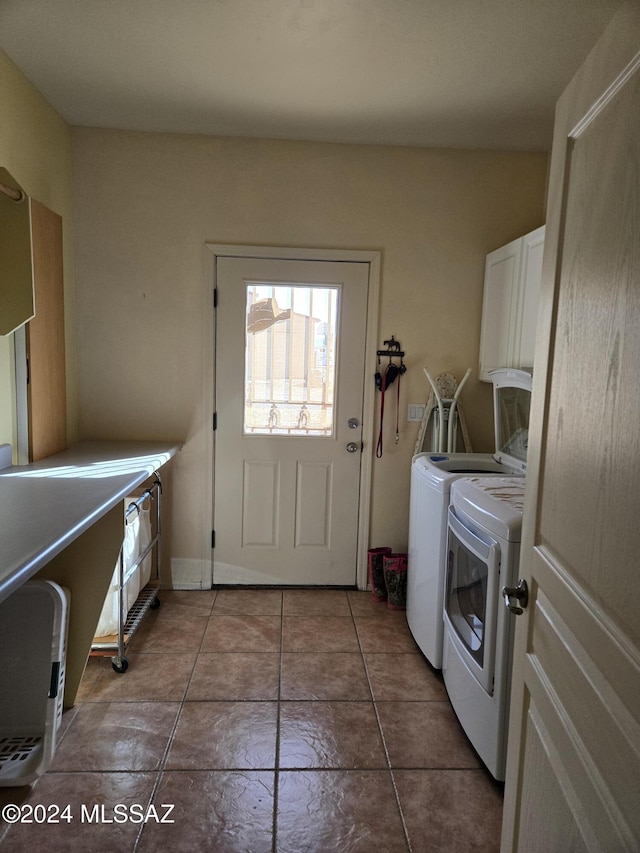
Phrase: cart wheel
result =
(122, 667)
(155, 604)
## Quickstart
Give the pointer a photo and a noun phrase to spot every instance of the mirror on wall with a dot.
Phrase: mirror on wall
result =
(16, 264)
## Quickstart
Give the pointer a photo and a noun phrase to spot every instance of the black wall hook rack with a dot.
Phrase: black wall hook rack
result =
(392, 350)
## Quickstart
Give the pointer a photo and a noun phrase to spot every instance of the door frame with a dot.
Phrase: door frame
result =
(367, 256)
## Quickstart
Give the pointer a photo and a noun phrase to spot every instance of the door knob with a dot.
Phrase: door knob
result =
(352, 447)
(520, 593)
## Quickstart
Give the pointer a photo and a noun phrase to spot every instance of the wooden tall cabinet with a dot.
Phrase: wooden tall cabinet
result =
(45, 343)
(510, 304)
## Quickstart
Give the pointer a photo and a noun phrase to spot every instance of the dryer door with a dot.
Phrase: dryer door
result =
(471, 599)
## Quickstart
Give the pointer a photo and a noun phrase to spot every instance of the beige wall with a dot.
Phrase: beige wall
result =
(145, 204)
(35, 146)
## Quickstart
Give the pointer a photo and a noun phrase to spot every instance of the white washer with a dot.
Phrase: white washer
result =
(432, 475)
(483, 553)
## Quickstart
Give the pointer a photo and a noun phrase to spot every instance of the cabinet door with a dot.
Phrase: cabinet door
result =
(499, 307)
(529, 296)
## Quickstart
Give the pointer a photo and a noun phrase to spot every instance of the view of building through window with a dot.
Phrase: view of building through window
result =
(290, 359)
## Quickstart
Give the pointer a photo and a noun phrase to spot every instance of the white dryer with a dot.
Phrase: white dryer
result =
(483, 553)
(432, 475)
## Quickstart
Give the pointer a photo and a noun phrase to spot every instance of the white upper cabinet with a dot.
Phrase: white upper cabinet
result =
(510, 304)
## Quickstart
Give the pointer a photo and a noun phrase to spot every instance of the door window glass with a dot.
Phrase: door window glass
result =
(290, 359)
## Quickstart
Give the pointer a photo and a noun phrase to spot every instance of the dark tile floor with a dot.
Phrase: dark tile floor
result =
(296, 721)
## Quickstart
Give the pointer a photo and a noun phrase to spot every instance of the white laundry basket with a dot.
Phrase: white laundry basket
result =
(144, 540)
(33, 642)
(109, 618)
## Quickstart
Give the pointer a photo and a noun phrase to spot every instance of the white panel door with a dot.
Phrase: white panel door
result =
(290, 345)
(573, 765)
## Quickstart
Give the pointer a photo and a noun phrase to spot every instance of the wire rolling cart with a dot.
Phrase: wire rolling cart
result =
(115, 645)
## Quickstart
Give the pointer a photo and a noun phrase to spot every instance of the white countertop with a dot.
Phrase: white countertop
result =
(44, 506)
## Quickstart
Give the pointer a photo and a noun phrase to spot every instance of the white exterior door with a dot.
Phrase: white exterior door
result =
(290, 373)
(573, 766)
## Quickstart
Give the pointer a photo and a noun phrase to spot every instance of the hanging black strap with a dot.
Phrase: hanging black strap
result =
(391, 373)
(398, 410)
(382, 387)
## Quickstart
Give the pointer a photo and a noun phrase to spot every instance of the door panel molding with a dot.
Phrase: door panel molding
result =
(213, 251)
(587, 729)
(313, 514)
(260, 521)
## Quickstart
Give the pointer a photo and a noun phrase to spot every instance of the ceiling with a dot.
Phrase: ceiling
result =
(452, 73)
